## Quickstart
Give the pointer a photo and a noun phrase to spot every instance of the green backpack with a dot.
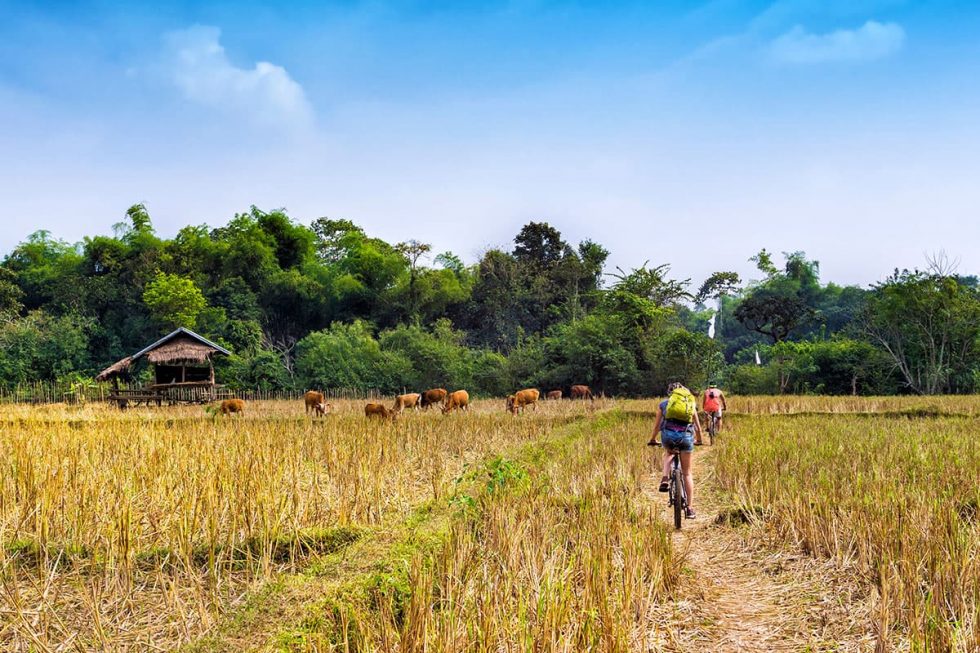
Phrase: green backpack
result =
(681, 406)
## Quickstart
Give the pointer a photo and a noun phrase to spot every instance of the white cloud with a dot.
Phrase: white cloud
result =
(265, 94)
(782, 12)
(873, 40)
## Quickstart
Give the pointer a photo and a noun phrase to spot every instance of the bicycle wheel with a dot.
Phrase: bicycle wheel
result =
(712, 428)
(677, 491)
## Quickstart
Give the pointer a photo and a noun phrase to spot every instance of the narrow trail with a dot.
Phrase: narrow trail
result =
(736, 595)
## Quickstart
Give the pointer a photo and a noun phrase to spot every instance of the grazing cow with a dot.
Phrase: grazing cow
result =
(380, 411)
(459, 400)
(410, 400)
(581, 392)
(521, 399)
(229, 406)
(316, 402)
(433, 397)
(553, 394)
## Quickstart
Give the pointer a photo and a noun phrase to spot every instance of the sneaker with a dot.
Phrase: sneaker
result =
(663, 484)
(690, 514)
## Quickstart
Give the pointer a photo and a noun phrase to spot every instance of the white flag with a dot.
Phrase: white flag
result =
(758, 361)
(711, 327)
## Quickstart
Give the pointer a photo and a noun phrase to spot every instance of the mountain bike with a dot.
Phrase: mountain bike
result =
(712, 420)
(676, 494)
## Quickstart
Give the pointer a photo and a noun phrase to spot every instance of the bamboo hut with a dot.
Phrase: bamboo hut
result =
(183, 370)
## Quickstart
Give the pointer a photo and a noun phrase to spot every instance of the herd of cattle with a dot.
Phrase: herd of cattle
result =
(316, 402)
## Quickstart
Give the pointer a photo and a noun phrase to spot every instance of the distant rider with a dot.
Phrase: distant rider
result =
(713, 402)
(678, 436)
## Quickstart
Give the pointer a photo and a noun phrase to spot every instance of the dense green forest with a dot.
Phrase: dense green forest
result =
(330, 306)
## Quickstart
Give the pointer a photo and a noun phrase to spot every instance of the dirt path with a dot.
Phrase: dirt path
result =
(737, 595)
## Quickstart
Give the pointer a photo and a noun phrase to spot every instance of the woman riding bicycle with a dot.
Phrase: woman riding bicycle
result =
(713, 402)
(681, 437)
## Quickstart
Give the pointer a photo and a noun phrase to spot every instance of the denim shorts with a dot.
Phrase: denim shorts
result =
(680, 440)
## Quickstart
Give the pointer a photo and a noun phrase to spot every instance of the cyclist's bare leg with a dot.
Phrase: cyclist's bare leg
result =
(668, 459)
(688, 479)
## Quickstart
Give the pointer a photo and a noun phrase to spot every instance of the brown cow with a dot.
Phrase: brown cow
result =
(433, 397)
(410, 400)
(521, 399)
(316, 402)
(459, 400)
(381, 411)
(581, 392)
(553, 394)
(229, 406)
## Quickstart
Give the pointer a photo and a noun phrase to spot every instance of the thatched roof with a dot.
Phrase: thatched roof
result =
(117, 368)
(181, 351)
(182, 347)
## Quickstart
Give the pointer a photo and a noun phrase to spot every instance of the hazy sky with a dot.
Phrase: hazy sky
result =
(844, 128)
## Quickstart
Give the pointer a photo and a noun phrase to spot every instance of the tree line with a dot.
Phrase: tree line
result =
(327, 305)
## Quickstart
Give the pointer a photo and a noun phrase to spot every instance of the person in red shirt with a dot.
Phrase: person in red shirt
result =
(713, 403)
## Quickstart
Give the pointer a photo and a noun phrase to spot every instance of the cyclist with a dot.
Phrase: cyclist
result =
(714, 404)
(679, 436)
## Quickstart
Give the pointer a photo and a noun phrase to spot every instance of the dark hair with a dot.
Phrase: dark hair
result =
(673, 386)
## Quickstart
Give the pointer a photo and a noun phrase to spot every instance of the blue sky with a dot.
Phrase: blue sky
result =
(847, 129)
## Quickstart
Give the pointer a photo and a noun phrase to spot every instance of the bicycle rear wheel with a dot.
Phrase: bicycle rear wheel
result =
(677, 491)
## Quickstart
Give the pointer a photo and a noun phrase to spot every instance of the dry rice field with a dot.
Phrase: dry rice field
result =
(826, 524)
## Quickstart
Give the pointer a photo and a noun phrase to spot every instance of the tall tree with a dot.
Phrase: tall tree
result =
(174, 301)
(539, 245)
(413, 250)
(929, 325)
(772, 312)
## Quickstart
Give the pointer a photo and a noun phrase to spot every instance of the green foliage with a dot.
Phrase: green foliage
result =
(503, 474)
(773, 311)
(139, 218)
(543, 282)
(451, 262)
(538, 245)
(242, 335)
(489, 374)
(174, 301)
(590, 351)
(836, 366)
(293, 245)
(763, 261)
(10, 293)
(926, 323)
(39, 346)
(691, 358)
(348, 356)
(255, 369)
(331, 306)
(653, 285)
(45, 271)
(718, 284)
(435, 358)
(749, 379)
